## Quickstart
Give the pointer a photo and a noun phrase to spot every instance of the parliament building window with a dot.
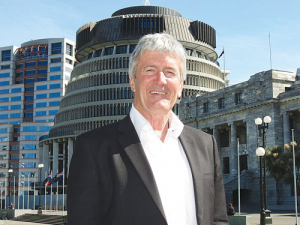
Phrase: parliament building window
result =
(238, 98)
(221, 103)
(206, 107)
(226, 165)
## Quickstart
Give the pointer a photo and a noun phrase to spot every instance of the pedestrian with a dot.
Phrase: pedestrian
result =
(231, 210)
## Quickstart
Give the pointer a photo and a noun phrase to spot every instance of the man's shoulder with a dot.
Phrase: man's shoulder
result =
(193, 131)
(105, 132)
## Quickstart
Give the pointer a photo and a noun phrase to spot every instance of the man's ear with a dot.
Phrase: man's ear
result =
(180, 90)
(132, 83)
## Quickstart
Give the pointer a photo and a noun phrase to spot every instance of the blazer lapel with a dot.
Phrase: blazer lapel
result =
(194, 159)
(134, 150)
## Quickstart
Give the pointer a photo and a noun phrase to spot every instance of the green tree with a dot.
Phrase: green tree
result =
(279, 162)
(288, 178)
(276, 166)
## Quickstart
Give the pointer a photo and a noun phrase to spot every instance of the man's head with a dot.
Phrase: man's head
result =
(163, 43)
(157, 71)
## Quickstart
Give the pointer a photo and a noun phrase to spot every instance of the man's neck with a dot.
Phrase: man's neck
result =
(159, 124)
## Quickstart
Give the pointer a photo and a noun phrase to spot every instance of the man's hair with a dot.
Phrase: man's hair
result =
(162, 43)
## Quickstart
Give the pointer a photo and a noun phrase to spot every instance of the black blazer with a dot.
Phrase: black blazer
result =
(110, 180)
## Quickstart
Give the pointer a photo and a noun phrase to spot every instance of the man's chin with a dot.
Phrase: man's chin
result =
(162, 107)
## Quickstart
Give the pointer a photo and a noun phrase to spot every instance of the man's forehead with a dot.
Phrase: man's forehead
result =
(159, 52)
(159, 55)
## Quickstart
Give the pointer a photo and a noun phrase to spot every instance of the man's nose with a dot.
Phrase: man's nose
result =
(161, 78)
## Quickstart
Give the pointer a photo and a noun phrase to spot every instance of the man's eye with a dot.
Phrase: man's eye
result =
(171, 73)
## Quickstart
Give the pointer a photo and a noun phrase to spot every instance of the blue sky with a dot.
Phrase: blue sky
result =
(243, 27)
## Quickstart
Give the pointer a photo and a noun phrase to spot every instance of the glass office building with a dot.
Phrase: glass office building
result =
(32, 83)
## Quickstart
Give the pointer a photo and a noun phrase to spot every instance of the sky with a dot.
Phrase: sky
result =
(256, 35)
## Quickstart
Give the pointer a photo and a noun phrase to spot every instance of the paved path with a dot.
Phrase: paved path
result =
(9, 222)
(278, 218)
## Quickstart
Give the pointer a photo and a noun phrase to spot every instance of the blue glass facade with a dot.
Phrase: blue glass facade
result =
(56, 48)
(6, 55)
(54, 95)
(2, 75)
(55, 77)
(24, 89)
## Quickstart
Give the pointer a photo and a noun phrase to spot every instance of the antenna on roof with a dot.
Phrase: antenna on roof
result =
(147, 2)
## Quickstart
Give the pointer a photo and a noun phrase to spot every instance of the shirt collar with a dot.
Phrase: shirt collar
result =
(140, 123)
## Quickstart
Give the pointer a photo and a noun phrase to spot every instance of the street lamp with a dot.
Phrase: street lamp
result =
(260, 152)
(40, 168)
(9, 175)
(262, 126)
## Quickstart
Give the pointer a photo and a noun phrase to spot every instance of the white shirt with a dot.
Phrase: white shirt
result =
(170, 167)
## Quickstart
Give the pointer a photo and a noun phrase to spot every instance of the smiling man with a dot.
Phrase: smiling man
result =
(148, 168)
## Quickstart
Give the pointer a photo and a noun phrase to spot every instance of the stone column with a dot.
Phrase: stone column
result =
(70, 152)
(216, 135)
(233, 143)
(45, 158)
(41, 154)
(286, 128)
(55, 157)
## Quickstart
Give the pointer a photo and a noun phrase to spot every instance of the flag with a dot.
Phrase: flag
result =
(47, 180)
(57, 178)
(221, 53)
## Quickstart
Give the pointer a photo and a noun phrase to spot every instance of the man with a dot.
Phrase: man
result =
(148, 168)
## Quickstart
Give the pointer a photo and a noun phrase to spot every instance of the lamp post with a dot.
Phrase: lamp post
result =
(9, 174)
(262, 126)
(40, 169)
(260, 152)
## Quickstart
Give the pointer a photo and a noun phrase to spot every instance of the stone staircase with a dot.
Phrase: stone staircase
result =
(231, 184)
(42, 218)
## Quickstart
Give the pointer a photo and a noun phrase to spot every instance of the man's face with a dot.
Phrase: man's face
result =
(157, 84)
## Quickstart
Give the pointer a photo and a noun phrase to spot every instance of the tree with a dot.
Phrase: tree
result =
(276, 166)
(288, 178)
(279, 162)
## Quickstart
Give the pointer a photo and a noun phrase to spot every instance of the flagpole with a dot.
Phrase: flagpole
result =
(295, 180)
(24, 192)
(224, 65)
(1, 194)
(28, 192)
(270, 50)
(51, 199)
(34, 195)
(4, 194)
(19, 190)
(239, 176)
(56, 196)
(14, 191)
(63, 203)
(45, 193)
(223, 53)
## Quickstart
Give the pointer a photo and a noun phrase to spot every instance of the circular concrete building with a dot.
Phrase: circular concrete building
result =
(99, 93)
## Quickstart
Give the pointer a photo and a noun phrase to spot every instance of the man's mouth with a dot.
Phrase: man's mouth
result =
(158, 92)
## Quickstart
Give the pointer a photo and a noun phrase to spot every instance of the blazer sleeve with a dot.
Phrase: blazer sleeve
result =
(220, 213)
(84, 199)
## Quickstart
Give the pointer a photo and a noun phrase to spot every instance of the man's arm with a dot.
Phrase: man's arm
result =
(84, 194)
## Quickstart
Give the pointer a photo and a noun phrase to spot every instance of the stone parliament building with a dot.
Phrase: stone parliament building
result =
(229, 115)
(98, 93)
